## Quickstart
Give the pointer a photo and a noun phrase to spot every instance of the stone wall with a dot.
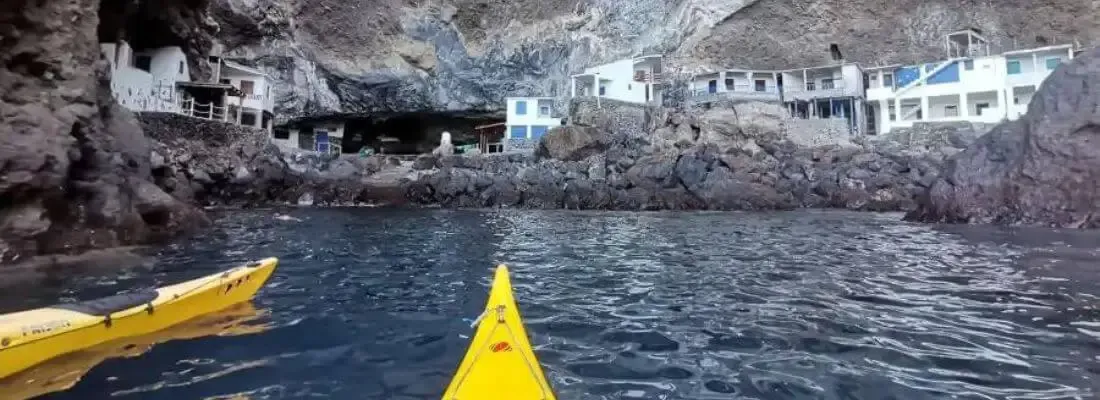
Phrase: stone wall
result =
(938, 134)
(818, 132)
(620, 118)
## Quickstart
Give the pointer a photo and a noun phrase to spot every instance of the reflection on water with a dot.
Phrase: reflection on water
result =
(370, 304)
(64, 372)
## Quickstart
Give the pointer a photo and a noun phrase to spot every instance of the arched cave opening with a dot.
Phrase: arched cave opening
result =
(398, 133)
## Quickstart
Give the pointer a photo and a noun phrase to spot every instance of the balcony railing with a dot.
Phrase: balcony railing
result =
(643, 76)
(812, 90)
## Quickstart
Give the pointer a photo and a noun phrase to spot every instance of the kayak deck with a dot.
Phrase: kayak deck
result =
(30, 337)
(500, 362)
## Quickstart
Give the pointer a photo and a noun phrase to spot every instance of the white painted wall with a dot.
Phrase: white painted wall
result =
(986, 81)
(617, 78)
(532, 117)
(169, 64)
(139, 90)
(261, 98)
(938, 107)
(335, 131)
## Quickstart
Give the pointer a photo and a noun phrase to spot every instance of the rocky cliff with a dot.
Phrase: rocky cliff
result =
(359, 56)
(1043, 169)
(74, 166)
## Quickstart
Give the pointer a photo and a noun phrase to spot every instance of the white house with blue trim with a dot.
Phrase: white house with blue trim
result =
(528, 119)
(970, 85)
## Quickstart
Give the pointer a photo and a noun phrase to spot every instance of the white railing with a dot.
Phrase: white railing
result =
(208, 111)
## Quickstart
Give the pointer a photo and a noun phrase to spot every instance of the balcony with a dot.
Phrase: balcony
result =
(647, 77)
(738, 92)
(811, 91)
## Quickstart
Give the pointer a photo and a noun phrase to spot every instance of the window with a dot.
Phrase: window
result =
(951, 110)
(1053, 62)
(888, 80)
(248, 119)
(518, 132)
(827, 83)
(181, 68)
(281, 134)
(761, 85)
(1013, 67)
(225, 81)
(729, 84)
(968, 65)
(538, 130)
(143, 63)
(603, 90)
(521, 107)
(545, 107)
(873, 79)
(979, 107)
(305, 141)
(246, 87)
(811, 86)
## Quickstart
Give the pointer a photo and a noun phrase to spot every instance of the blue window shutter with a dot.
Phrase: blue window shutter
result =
(519, 132)
(521, 108)
(537, 131)
(1053, 62)
(1013, 67)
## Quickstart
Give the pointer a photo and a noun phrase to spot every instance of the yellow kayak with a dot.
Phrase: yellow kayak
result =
(28, 338)
(500, 362)
(64, 372)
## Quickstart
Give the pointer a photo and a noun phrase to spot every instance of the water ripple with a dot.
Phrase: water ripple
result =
(370, 304)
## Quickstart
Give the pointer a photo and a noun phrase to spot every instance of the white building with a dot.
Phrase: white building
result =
(825, 92)
(970, 85)
(324, 136)
(255, 101)
(527, 120)
(146, 80)
(735, 84)
(635, 80)
(160, 80)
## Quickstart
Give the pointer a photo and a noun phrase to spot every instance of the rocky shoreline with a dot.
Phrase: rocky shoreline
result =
(612, 158)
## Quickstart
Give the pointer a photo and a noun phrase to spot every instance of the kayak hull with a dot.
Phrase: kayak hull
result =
(500, 362)
(65, 371)
(28, 338)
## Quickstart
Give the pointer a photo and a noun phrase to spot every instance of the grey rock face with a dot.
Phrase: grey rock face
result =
(1042, 169)
(462, 55)
(75, 167)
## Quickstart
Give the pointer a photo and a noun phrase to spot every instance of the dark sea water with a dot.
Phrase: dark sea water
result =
(375, 304)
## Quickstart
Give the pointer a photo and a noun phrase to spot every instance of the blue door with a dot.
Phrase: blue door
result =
(321, 141)
(537, 131)
(712, 87)
(519, 132)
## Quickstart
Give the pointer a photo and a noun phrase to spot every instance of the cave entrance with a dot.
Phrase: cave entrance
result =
(420, 132)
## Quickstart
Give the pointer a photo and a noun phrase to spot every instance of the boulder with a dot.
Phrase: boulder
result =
(571, 143)
(1043, 169)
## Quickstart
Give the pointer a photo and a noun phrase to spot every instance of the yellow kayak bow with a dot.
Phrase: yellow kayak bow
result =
(500, 363)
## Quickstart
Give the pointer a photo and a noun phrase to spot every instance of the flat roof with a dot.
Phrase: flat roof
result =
(878, 67)
(242, 68)
(529, 97)
(1038, 49)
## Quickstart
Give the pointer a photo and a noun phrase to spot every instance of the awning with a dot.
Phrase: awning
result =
(230, 89)
(482, 127)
